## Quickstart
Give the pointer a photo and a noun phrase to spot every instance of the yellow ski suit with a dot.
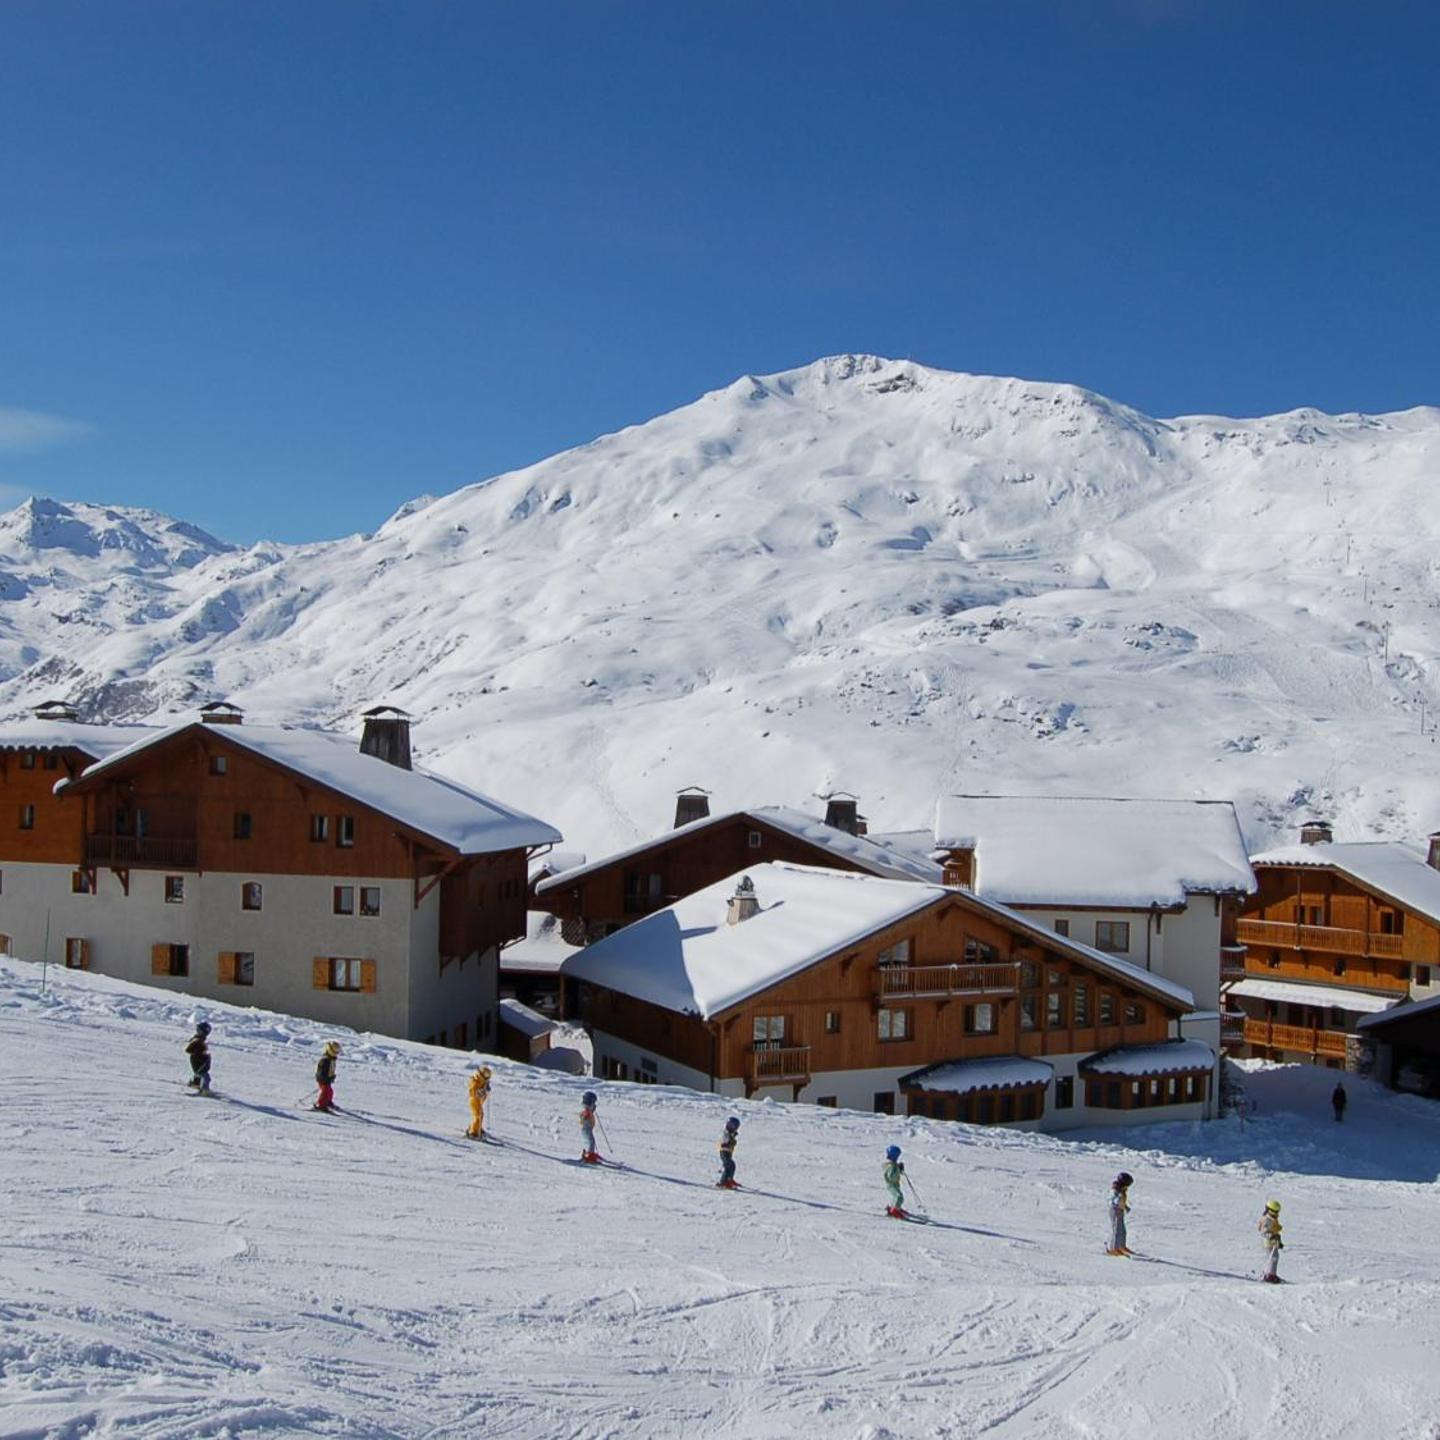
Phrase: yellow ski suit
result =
(479, 1094)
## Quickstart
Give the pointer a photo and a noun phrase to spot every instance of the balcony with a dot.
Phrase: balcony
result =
(143, 852)
(1232, 1027)
(779, 1065)
(1232, 963)
(920, 982)
(1299, 1038)
(1330, 938)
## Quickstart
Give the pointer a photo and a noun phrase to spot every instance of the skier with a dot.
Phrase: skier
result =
(325, 1077)
(590, 1155)
(1119, 1208)
(1270, 1232)
(199, 1052)
(728, 1141)
(1339, 1100)
(479, 1094)
(893, 1172)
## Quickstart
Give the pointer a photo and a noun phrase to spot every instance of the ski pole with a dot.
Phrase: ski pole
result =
(916, 1194)
(600, 1126)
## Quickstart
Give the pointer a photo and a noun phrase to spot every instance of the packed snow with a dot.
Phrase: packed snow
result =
(862, 574)
(176, 1266)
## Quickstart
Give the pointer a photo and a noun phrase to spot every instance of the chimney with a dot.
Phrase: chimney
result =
(1433, 858)
(842, 811)
(55, 710)
(743, 904)
(1315, 832)
(221, 712)
(387, 736)
(959, 866)
(691, 803)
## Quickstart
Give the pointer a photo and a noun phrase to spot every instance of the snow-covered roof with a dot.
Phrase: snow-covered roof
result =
(1295, 993)
(530, 1023)
(543, 950)
(463, 820)
(961, 1077)
(860, 850)
(1100, 852)
(1393, 868)
(1397, 1011)
(1166, 1059)
(96, 740)
(688, 959)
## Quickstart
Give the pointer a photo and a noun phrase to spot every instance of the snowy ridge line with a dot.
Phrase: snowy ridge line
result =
(361, 1278)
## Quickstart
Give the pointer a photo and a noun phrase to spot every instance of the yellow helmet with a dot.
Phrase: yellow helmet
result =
(1273, 1206)
(332, 1048)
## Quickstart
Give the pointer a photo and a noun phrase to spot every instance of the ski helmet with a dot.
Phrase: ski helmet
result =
(589, 1097)
(202, 1027)
(332, 1048)
(1273, 1206)
(733, 1123)
(1124, 1179)
(485, 1072)
(893, 1153)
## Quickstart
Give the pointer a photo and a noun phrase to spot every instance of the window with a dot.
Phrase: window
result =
(219, 764)
(1134, 1013)
(345, 831)
(77, 954)
(1082, 1006)
(52, 760)
(977, 952)
(1107, 1008)
(27, 759)
(980, 1019)
(1065, 1092)
(1029, 1018)
(172, 960)
(1422, 974)
(1405, 970)
(346, 975)
(370, 900)
(896, 954)
(319, 829)
(894, 1025)
(343, 900)
(1054, 1009)
(1112, 936)
(768, 1031)
(244, 967)
(242, 824)
(1392, 922)
(27, 817)
(828, 1101)
(1029, 975)
(251, 895)
(174, 889)
(80, 882)
(1062, 927)
(1340, 966)
(884, 1102)
(832, 1022)
(753, 839)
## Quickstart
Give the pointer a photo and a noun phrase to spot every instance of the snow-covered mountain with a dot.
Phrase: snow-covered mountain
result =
(862, 574)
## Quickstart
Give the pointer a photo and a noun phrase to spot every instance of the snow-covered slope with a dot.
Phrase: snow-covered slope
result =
(172, 1266)
(862, 573)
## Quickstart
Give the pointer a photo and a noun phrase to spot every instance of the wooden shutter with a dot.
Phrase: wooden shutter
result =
(84, 954)
(159, 959)
(227, 967)
(367, 977)
(320, 973)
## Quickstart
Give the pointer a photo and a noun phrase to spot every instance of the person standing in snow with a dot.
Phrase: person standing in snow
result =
(894, 1172)
(1119, 1208)
(479, 1094)
(589, 1154)
(325, 1077)
(199, 1052)
(1338, 1101)
(728, 1140)
(1270, 1233)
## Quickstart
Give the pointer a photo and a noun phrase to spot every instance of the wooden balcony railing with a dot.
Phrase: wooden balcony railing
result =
(142, 852)
(780, 1064)
(1300, 1038)
(916, 982)
(1331, 938)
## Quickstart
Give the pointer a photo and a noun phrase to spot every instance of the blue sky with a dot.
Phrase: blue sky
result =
(277, 267)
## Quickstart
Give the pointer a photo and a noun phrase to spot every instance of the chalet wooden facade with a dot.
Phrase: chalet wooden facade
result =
(1335, 933)
(847, 994)
(287, 868)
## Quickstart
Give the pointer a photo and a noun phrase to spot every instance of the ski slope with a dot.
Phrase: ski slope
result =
(179, 1267)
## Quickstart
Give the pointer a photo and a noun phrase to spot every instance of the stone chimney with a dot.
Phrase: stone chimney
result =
(55, 710)
(1315, 832)
(1433, 858)
(387, 736)
(691, 803)
(743, 903)
(842, 811)
(222, 712)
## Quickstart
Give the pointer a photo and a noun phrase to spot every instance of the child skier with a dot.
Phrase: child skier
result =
(590, 1155)
(199, 1052)
(1119, 1208)
(728, 1141)
(479, 1094)
(894, 1171)
(325, 1077)
(1270, 1232)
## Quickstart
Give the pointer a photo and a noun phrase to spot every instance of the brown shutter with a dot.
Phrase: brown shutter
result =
(320, 973)
(367, 977)
(84, 954)
(159, 959)
(227, 967)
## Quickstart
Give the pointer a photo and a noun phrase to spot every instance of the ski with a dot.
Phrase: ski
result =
(909, 1216)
